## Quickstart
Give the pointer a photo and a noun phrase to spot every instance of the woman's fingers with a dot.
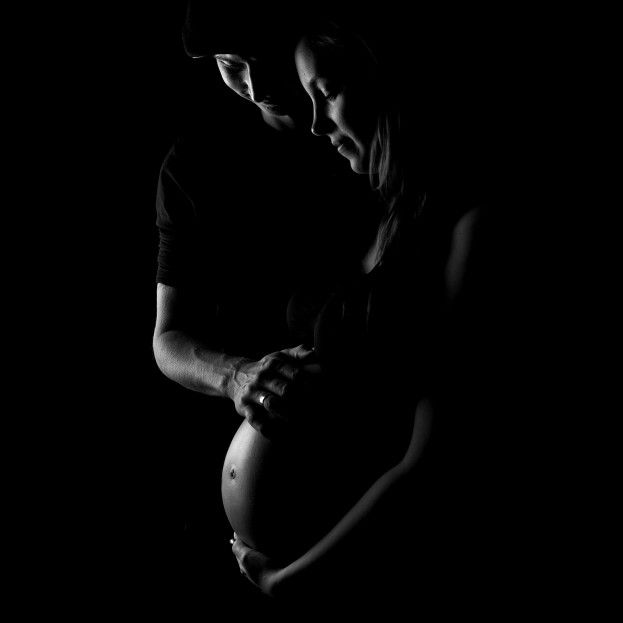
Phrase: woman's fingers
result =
(239, 548)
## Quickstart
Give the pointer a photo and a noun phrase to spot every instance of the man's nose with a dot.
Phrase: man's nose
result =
(255, 86)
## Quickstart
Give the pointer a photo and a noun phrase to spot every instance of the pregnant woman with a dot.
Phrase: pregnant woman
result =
(348, 501)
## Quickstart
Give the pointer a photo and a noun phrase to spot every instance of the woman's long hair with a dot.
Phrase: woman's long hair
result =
(386, 162)
(387, 176)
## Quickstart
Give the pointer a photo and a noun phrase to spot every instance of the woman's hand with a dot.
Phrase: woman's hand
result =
(261, 389)
(257, 567)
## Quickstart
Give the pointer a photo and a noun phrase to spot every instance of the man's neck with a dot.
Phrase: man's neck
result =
(279, 122)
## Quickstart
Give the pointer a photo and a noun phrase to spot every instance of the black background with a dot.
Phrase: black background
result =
(112, 450)
(118, 460)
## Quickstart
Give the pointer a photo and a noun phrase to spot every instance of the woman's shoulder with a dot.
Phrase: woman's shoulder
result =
(450, 206)
(441, 234)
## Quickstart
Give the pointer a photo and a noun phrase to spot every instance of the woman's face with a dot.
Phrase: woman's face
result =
(260, 82)
(344, 102)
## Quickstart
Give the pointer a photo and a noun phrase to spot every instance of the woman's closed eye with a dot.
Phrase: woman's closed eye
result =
(329, 94)
(329, 89)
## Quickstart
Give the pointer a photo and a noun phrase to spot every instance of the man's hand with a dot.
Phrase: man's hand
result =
(261, 389)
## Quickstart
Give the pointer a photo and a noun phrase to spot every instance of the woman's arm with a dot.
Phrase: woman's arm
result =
(310, 568)
(255, 387)
(354, 529)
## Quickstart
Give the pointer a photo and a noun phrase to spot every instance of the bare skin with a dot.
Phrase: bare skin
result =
(308, 570)
(258, 389)
(259, 85)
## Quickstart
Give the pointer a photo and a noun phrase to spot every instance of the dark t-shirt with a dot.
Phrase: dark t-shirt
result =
(252, 220)
(247, 216)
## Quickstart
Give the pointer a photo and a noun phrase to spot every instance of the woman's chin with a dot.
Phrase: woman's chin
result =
(357, 165)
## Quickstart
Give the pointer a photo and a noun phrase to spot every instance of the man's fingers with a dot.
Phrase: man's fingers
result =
(286, 363)
(269, 424)
(254, 414)
(276, 406)
(288, 371)
(272, 429)
(298, 352)
(269, 402)
(278, 387)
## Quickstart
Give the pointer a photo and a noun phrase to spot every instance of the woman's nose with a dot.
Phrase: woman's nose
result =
(321, 124)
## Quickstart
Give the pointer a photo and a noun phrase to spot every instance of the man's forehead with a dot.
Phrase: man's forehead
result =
(259, 44)
(256, 29)
(258, 52)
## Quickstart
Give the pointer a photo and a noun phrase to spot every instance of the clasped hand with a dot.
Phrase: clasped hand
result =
(255, 566)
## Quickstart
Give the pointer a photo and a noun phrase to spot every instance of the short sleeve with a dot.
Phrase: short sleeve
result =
(175, 215)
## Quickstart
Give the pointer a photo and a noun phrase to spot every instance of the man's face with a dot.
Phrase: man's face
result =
(263, 81)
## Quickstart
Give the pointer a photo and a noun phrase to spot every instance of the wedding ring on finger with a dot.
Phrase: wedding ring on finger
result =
(263, 397)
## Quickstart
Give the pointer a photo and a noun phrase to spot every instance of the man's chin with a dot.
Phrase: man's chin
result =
(276, 111)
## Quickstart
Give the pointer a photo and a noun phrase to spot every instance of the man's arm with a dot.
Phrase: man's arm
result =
(185, 359)
(255, 387)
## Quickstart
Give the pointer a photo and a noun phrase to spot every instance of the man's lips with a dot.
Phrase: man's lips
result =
(274, 108)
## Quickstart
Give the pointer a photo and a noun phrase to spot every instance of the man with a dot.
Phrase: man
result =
(251, 214)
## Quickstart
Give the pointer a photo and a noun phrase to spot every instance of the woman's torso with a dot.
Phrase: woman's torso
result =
(374, 336)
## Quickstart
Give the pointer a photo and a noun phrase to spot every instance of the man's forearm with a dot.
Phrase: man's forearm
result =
(194, 365)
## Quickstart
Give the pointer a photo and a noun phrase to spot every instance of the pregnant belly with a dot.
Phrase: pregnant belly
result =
(281, 497)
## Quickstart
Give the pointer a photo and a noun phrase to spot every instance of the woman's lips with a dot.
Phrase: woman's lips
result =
(342, 147)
